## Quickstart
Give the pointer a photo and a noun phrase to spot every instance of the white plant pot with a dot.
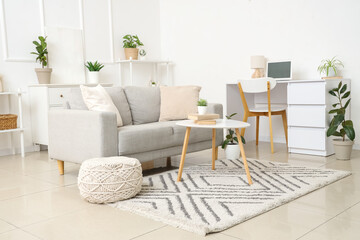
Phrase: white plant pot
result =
(93, 77)
(343, 149)
(142, 58)
(202, 110)
(331, 73)
(232, 151)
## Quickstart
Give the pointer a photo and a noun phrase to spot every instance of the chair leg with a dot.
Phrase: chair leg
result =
(257, 129)
(244, 120)
(285, 126)
(61, 167)
(271, 134)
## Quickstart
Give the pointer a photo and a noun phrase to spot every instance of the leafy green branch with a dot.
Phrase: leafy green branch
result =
(41, 51)
(231, 137)
(131, 41)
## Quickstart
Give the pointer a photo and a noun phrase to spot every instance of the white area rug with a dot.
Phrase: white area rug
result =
(211, 201)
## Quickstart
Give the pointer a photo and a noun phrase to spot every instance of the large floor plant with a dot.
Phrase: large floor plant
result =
(339, 125)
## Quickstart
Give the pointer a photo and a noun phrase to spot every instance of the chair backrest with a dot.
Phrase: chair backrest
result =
(257, 85)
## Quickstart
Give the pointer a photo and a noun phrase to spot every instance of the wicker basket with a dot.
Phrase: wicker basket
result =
(8, 121)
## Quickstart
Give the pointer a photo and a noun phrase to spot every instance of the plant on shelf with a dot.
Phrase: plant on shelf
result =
(330, 67)
(230, 144)
(43, 73)
(339, 126)
(130, 44)
(94, 69)
(202, 106)
(142, 54)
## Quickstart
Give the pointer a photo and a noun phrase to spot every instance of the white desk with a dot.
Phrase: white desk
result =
(307, 102)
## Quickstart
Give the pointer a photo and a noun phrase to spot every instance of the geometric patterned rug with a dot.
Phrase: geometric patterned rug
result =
(208, 201)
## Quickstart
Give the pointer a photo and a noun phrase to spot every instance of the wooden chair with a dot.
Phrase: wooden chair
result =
(259, 86)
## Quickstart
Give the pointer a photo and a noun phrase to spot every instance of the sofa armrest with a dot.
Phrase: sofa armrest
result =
(77, 135)
(215, 108)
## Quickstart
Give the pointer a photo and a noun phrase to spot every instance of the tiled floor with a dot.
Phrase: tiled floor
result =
(37, 203)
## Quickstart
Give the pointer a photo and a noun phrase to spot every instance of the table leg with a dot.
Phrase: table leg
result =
(186, 141)
(213, 148)
(243, 156)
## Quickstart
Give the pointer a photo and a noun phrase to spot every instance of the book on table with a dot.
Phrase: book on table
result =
(205, 122)
(199, 117)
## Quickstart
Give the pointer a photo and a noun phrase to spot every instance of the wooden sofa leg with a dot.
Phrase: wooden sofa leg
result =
(168, 162)
(61, 167)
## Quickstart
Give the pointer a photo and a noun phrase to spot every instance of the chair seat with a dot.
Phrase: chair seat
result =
(265, 109)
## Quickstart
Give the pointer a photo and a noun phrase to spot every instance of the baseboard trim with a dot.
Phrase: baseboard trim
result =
(9, 151)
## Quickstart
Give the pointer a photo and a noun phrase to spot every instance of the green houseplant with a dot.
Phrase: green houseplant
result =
(94, 71)
(339, 126)
(130, 44)
(329, 67)
(231, 142)
(43, 73)
(202, 106)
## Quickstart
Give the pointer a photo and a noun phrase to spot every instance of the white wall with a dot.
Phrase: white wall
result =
(103, 24)
(211, 41)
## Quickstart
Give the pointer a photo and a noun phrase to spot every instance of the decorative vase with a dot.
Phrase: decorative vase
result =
(131, 53)
(43, 75)
(232, 151)
(343, 149)
(202, 110)
(94, 77)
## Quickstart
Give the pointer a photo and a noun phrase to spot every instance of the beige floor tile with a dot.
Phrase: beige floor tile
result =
(37, 207)
(335, 229)
(17, 234)
(352, 214)
(352, 165)
(53, 176)
(169, 232)
(94, 223)
(14, 185)
(284, 222)
(5, 227)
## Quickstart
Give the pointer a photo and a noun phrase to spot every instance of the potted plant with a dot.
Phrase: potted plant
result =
(153, 83)
(43, 73)
(94, 70)
(231, 143)
(339, 126)
(142, 54)
(131, 42)
(202, 106)
(329, 67)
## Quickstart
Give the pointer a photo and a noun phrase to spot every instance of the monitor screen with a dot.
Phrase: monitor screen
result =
(279, 69)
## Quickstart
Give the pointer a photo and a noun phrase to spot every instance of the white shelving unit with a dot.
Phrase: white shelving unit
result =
(155, 63)
(20, 129)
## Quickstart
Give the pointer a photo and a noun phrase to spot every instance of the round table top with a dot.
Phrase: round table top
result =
(220, 123)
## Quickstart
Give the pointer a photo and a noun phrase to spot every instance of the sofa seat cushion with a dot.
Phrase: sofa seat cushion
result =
(156, 136)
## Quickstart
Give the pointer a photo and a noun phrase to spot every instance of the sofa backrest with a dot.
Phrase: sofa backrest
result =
(144, 103)
(117, 94)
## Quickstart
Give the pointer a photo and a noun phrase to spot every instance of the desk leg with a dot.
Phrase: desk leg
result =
(243, 156)
(213, 148)
(186, 141)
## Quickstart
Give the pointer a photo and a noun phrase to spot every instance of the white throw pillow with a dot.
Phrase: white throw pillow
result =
(97, 99)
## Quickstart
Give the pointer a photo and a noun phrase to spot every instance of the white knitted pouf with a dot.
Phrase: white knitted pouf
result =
(105, 180)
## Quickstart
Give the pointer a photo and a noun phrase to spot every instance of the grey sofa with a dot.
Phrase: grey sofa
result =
(77, 134)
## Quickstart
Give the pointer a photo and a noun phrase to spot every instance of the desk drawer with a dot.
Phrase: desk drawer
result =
(57, 95)
(306, 93)
(307, 138)
(307, 115)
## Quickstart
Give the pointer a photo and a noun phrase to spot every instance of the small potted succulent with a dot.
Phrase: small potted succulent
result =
(202, 106)
(152, 83)
(339, 126)
(329, 67)
(94, 71)
(231, 143)
(43, 73)
(142, 54)
(130, 44)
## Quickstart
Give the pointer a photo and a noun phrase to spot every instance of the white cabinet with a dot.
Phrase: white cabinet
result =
(308, 105)
(42, 98)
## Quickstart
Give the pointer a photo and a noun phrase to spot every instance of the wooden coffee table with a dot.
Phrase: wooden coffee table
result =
(220, 123)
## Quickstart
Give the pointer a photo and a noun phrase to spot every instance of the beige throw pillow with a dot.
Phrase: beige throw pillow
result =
(97, 99)
(178, 102)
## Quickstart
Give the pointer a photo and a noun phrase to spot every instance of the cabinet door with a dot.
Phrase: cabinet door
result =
(307, 115)
(57, 95)
(306, 93)
(307, 138)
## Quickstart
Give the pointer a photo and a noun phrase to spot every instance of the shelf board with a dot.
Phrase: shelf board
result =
(12, 130)
(143, 61)
(11, 93)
